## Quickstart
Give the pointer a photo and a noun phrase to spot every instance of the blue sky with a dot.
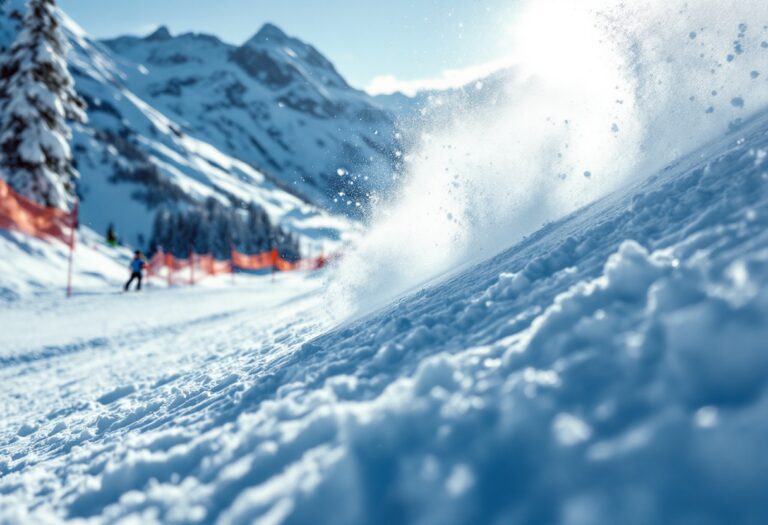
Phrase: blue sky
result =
(403, 40)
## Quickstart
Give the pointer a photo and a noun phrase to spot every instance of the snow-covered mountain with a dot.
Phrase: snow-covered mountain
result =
(274, 102)
(134, 156)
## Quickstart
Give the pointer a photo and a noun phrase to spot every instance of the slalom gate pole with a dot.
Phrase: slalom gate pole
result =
(191, 267)
(231, 262)
(274, 263)
(72, 240)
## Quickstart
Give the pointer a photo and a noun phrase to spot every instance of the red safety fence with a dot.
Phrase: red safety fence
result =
(26, 216)
(212, 266)
(197, 267)
(21, 214)
(186, 271)
(272, 260)
(260, 261)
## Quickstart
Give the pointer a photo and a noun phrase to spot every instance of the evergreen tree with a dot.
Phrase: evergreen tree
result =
(215, 228)
(257, 228)
(160, 232)
(197, 231)
(221, 234)
(37, 97)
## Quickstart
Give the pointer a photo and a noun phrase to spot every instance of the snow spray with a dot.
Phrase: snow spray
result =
(596, 96)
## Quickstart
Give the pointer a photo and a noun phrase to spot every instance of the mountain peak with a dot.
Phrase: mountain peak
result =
(270, 56)
(160, 34)
(268, 33)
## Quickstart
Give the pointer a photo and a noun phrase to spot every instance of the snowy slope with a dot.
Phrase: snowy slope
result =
(275, 102)
(32, 267)
(611, 368)
(133, 158)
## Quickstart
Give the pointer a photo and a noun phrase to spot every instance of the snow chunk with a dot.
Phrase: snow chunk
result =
(718, 352)
(435, 372)
(707, 417)
(27, 429)
(118, 393)
(460, 481)
(508, 287)
(630, 272)
(570, 430)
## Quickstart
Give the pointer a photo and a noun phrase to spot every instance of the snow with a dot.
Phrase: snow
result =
(609, 368)
(32, 267)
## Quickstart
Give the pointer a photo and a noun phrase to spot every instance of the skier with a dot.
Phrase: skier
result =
(138, 263)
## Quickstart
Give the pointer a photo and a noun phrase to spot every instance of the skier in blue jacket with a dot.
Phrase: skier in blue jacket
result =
(137, 265)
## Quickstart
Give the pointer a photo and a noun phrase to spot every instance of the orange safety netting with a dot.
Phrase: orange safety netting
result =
(21, 214)
(212, 266)
(196, 267)
(155, 264)
(259, 261)
(273, 260)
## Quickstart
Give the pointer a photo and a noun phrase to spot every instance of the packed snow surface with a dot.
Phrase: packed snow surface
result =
(610, 368)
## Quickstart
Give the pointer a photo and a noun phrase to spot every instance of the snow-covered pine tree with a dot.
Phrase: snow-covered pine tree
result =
(37, 97)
